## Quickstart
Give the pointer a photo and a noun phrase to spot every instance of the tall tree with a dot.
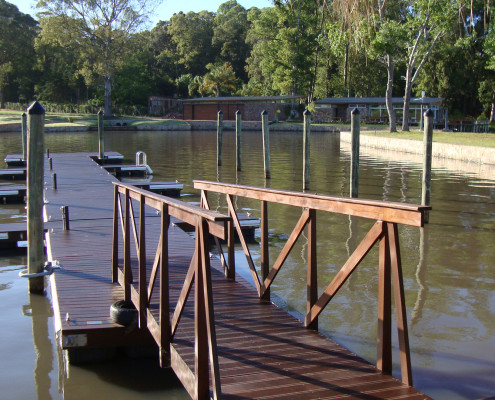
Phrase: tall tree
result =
(102, 29)
(17, 33)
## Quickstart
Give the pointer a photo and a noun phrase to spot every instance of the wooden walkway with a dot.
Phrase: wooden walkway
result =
(263, 352)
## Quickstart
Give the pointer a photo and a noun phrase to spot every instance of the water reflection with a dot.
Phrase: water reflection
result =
(448, 266)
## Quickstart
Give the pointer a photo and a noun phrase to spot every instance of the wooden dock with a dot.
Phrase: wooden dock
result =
(248, 347)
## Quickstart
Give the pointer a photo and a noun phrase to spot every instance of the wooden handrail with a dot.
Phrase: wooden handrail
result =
(400, 213)
(164, 328)
(386, 214)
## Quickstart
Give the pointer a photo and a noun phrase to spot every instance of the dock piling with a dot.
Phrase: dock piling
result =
(24, 136)
(65, 218)
(35, 144)
(101, 140)
(355, 129)
(266, 142)
(219, 137)
(306, 148)
(238, 135)
(427, 156)
(54, 181)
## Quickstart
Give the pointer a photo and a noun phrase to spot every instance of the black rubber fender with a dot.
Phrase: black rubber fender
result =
(124, 313)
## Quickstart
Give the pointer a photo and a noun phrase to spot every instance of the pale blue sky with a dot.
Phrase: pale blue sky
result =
(166, 9)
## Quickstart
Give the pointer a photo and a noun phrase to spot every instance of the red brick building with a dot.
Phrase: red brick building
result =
(206, 108)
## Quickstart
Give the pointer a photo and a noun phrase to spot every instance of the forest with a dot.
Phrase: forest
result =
(103, 53)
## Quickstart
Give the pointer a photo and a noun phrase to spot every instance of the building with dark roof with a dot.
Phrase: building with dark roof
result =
(373, 109)
(206, 108)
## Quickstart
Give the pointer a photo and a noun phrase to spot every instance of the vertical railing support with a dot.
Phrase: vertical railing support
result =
(230, 247)
(219, 137)
(427, 157)
(143, 298)
(165, 330)
(127, 248)
(266, 143)
(238, 141)
(384, 334)
(306, 148)
(355, 128)
(35, 176)
(312, 278)
(115, 235)
(265, 250)
(101, 138)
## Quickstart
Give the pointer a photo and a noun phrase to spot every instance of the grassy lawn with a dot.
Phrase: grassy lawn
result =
(60, 119)
(464, 138)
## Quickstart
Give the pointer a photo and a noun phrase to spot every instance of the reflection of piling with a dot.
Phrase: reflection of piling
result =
(36, 122)
(238, 134)
(420, 278)
(427, 156)
(101, 140)
(355, 128)
(219, 137)
(266, 143)
(306, 148)
(24, 135)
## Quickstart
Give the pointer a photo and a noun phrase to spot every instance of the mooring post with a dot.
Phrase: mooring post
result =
(50, 162)
(24, 135)
(65, 218)
(101, 140)
(355, 128)
(219, 137)
(54, 181)
(427, 156)
(306, 148)
(238, 135)
(35, 144)
(266, 142)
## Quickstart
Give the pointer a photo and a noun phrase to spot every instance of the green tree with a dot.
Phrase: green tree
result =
(17, 33)
(102, 29)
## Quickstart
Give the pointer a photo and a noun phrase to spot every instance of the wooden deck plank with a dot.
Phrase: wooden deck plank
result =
(264, 352)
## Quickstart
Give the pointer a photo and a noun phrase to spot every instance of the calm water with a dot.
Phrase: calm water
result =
(449, 266)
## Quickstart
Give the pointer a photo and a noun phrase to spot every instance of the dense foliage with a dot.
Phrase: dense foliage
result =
(316, 48)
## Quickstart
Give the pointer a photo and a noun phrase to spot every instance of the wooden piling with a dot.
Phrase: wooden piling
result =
(306, 148)
(101, 140)
(355, 129)
(238, 135)
(427, 156)
(219, 137)
(35, 144)
(24, 135)
(266, 142)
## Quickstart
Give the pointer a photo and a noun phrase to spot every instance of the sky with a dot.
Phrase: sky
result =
(166, 9)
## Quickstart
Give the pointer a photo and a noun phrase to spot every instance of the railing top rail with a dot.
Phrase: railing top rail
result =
(208, 215)
(402, 213)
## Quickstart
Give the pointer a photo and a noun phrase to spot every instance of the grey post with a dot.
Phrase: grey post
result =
(24, 136)
(101, 139)
(65, 218)
(306, 148)
(355, 129)
(219, 137)
(35, 177)
(266, 142)
(238, 132)
(427, 156)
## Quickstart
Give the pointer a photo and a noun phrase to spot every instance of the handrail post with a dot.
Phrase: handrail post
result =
(312, 285)
(115, 236)
(24, 136)
(143, 298)
(165, 330)
(265, 253)
(230, 247)
(101, 140)
(127, 248)
(384, 333)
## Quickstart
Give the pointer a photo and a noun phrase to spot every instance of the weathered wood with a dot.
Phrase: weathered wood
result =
(427, 158)
(401, 213)
(306, 149)
(164, 317)
(35, 177)
(219, 137)
(265, 251)
(266, 143)
(238, 141)
(24, 130)
(355, 130)
(312, 272)
(101, 136)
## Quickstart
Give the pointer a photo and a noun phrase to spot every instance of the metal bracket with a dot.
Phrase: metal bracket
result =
(48, 269)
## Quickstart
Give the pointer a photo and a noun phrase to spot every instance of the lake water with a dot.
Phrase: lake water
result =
(449, 266)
